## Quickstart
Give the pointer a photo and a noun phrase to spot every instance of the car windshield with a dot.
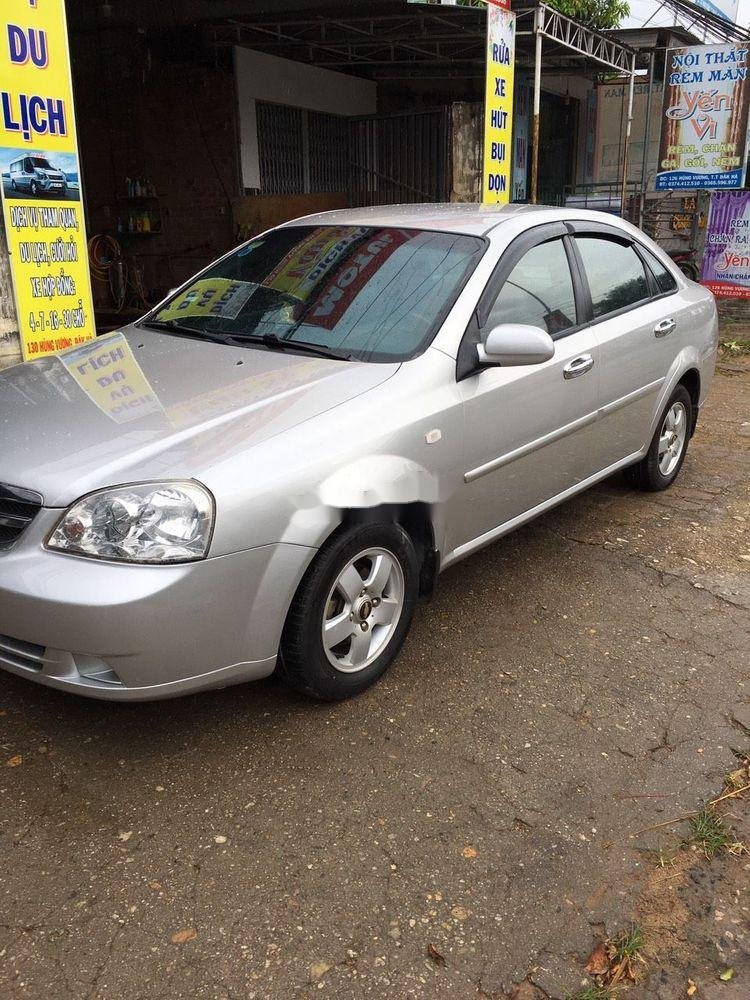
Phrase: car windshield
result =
(365, 293)
(39, 161)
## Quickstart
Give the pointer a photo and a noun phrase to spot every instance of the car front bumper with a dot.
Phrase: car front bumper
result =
(131, 633)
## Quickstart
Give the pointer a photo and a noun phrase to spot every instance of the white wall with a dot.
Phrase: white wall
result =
(611, 113)
(261, 77)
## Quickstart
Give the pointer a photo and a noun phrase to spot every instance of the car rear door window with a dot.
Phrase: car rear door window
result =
(538, 291)
(664, 280)
(615, 272)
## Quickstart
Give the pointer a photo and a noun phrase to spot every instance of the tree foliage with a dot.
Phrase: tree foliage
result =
(600, 14)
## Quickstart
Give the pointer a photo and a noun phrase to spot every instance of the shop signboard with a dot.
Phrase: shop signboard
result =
(521, 112)
(721, 8)
(41, 179)
(704, 118)
(498, 121)
(726, 258)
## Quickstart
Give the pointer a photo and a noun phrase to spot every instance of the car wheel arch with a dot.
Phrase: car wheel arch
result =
(684, 370)
(417, 521)
(691, 379)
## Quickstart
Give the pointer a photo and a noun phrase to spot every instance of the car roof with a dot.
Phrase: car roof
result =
(455, 217)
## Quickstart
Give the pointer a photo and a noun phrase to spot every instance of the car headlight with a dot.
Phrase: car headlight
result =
(141, 522)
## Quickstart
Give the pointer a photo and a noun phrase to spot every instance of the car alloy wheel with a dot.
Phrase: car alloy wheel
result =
(351, 612)
(363, 610)
(672, 438)
(659, 468)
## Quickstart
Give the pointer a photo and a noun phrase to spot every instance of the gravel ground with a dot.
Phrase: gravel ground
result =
(469, 824)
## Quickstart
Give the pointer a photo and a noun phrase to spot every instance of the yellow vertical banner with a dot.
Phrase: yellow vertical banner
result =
(41, 180)
(498, 105)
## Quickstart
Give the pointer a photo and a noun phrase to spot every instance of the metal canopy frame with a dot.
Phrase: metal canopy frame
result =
(548, 23)
(392, 44)
(396, 42)
(551, 24)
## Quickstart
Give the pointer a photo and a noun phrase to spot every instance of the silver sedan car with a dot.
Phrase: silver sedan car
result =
(268, 470)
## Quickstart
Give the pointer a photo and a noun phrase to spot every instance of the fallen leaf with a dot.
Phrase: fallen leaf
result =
(692, 988)
(469, 852)
(460, 913)
(598, 963)
(125, 835)
(318, 969)
(155, 885)
(221, 839)
(182, 936)
(726, 976)
(435, 955)
(15, 761)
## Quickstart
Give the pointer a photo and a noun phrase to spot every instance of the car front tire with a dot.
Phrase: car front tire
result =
(666, 453)
(351, 612)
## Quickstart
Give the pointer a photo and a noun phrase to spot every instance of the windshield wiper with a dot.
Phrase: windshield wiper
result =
(321, 350)
(174, 326)
(269, 340)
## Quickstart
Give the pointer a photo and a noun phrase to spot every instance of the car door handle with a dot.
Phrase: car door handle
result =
(664, 328)
(578, 366)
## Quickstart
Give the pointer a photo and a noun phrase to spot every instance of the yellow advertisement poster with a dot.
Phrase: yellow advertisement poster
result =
(210, 297)
(41, 185)
(304, 266)
(498, 123)
(109, 374)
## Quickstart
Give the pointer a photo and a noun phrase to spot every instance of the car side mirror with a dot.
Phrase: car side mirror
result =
(512, 344)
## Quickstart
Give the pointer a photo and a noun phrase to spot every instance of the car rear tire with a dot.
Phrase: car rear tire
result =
(689, 269)
(666, 453)
(351, 612)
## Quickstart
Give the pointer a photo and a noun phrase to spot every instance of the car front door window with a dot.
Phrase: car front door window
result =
(538, 291)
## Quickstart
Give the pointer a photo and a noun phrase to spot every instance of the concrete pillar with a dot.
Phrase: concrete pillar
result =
(466, 152)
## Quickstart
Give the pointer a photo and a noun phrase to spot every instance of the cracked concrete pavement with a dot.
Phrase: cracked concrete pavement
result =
(572, 685)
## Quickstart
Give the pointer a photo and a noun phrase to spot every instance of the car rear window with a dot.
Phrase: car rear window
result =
(664, 280)
(372, 293)
(615, 272)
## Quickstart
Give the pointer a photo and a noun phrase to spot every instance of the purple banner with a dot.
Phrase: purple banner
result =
(726, 261)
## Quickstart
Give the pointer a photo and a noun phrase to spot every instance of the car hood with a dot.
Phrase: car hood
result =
(138, 404)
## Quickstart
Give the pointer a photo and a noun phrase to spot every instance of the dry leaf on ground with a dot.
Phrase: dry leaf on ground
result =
(182, 936)
(598, 963)
(435, 955)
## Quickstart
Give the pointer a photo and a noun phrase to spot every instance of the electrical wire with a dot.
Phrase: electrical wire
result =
(109, 266)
